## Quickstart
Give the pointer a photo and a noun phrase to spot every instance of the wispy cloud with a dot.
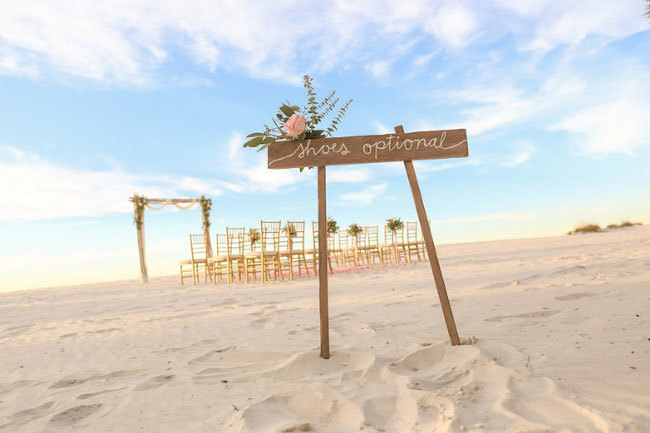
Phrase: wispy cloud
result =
(521, 153)
(619, 126)
(127, 41)
(38, 189)
(365, 196)
(348, 174)
(432, 166)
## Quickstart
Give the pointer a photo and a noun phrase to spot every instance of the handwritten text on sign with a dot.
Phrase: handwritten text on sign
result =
(365, 149)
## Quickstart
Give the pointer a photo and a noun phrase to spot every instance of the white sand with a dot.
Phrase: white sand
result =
(563, 346)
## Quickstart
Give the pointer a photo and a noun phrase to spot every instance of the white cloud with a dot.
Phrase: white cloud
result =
(127, 41)
(571, 22)
(348, 174)
(365, 196)
(522, 152)
(618, 126)
(431, 166)
(380, 128)
(34, 188)
(378, 68)
(453, 24)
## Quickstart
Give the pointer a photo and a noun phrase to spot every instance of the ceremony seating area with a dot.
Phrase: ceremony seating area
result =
(276, 251)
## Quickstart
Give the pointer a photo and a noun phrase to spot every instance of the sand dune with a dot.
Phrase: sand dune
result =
(562, 345)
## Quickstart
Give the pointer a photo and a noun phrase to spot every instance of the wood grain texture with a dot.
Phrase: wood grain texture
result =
(322, 266)
(431, 250)
(366, 149)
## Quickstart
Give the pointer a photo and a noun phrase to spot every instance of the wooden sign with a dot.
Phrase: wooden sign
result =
(366, 149)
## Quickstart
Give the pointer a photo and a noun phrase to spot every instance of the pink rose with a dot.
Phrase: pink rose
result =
(295, 125)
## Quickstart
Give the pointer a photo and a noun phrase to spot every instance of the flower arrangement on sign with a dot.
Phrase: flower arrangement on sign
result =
(253, 236)
(293, 123)
(355, 229)
(332, 226)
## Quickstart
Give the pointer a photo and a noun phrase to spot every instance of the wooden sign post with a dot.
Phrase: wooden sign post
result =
(365, 149)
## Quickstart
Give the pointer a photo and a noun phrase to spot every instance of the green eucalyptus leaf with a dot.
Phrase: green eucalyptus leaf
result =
(286, 110)
(253, 142)
(255, 134)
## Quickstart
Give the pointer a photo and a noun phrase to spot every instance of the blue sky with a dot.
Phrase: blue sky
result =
(101, 101)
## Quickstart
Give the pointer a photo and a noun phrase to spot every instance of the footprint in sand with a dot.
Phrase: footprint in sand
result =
(216, 366)
(154, 382)
(572, 296)
(94, 394)
(532, 315)
(75, 414)
(28, 415)
(286, 412)
(535, 399)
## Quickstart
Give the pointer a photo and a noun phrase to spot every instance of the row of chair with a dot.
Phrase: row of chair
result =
(273, 251)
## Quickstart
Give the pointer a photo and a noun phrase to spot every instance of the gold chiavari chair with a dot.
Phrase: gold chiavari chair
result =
(371, 245)
(199, 260)
(268, 256)
(251, 244)
(362, 248)
(413, 243)
(400, 246)
(314, 251)
(295, 247)
(348, 247)
(219, 262)
(387, 249)
(284, 250)
(235, 241)
(333, 248)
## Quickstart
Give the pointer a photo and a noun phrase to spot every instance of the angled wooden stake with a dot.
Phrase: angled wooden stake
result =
(431, 249)
(322, 266)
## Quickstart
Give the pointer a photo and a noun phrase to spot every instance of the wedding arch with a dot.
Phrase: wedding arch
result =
(141, 202)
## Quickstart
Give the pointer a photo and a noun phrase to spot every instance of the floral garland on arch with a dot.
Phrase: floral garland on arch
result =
(138, 217)
(293, 123)
(206, 206)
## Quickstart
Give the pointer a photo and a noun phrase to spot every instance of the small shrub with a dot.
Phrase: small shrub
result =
(613, 226)
(629, 224)
(587, 228)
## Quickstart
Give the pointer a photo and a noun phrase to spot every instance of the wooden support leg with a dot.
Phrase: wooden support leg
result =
(431, 249)
(322, 266)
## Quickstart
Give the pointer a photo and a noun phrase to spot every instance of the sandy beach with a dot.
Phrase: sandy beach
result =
(562, 345)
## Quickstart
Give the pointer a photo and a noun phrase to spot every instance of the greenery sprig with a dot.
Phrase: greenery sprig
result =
(291, 231)
(138, 215)
(292, 123)
(332, 226)
(394, 224)
(355, 229)
(206, 206)
(253, 236)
